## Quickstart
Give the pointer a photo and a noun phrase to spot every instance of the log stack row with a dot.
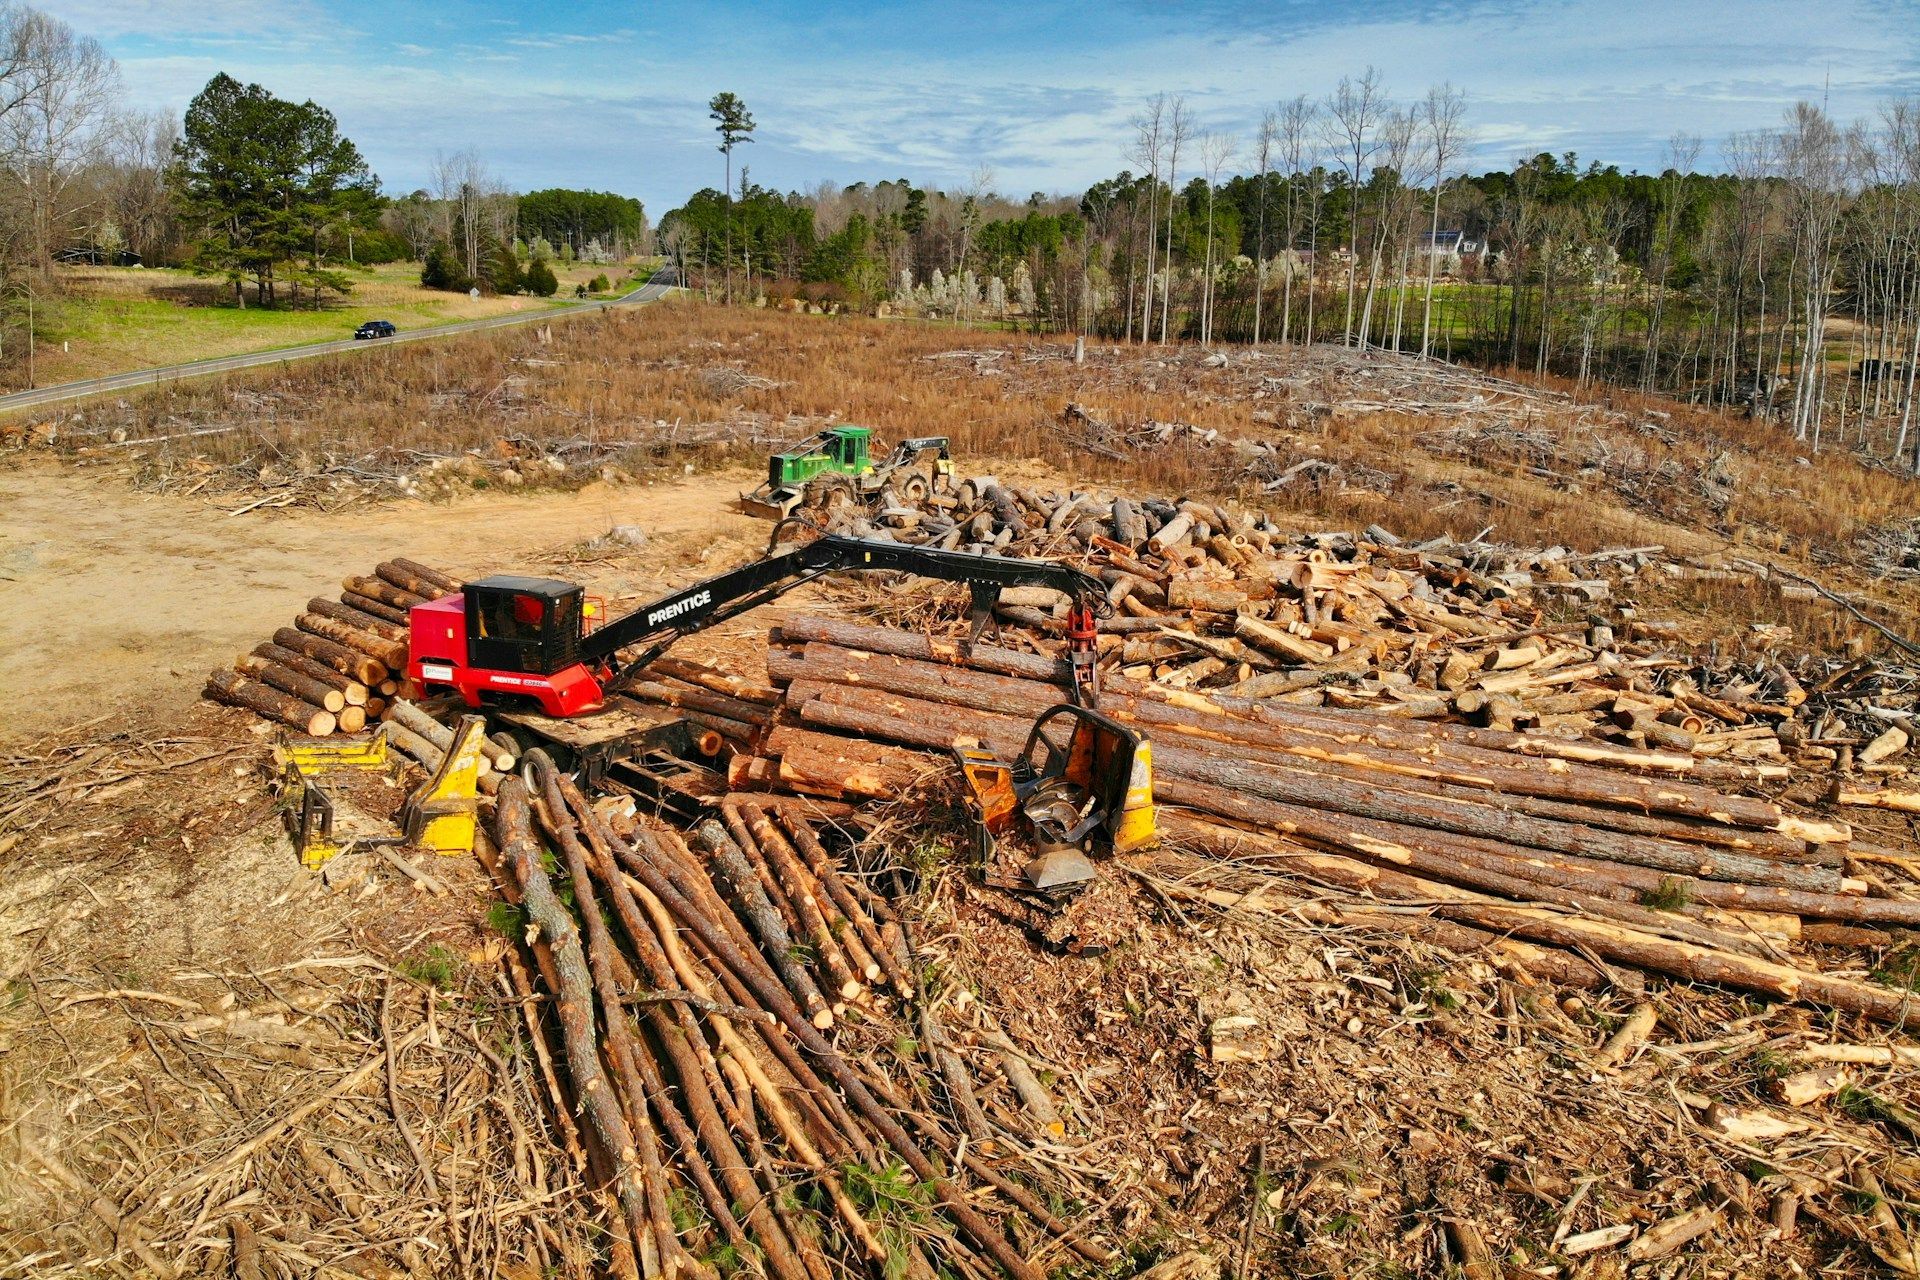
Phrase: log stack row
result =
(697, 1038)
(341, 662)
(1647, 858)
(1218, 598)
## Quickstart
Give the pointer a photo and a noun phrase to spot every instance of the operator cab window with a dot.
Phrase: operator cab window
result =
(512, 615)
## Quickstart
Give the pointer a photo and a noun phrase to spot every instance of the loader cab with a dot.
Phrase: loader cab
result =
(847, 447)
(841, 449)
(528, 625)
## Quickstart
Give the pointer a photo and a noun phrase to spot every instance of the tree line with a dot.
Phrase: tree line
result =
(1783, 277)
(265, 194)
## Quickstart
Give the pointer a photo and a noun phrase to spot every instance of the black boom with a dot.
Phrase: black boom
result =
(729, 594)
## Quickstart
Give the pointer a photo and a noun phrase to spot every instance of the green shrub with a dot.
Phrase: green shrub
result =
(443, 271)
(539, 279)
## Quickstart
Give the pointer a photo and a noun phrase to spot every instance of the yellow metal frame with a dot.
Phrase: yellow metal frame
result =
(441, 814)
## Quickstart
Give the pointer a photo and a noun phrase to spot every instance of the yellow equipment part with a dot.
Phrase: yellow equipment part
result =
(440, 815)
(1138, 826)
(316, 756)
(303, 763)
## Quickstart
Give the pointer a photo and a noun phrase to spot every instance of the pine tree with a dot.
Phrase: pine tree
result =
(265, 179)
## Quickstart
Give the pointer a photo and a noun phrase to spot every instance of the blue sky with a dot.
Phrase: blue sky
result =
(614, 96)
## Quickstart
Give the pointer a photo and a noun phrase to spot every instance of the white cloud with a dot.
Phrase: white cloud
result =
(1035, 90)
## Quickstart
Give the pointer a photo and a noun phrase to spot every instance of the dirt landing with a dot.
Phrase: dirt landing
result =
(117, 599)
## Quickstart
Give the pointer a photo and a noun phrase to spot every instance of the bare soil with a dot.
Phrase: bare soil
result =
(120, 601)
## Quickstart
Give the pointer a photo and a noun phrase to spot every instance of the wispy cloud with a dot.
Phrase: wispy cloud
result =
(1040, 90)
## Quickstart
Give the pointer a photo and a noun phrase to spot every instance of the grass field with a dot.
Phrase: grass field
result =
(115, 319)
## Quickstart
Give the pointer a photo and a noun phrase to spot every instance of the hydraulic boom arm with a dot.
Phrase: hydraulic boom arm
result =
(723, 596)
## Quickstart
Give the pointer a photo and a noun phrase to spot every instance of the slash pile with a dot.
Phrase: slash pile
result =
(1215, 598)
(341, 662)
(693, 984)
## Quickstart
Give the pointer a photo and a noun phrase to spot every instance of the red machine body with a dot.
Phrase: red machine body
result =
(439, 656)
(543, 639)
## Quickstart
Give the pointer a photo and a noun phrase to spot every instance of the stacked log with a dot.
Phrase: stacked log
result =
(1214, 597)
(1637, 856)
(341, 659)
(694, 992)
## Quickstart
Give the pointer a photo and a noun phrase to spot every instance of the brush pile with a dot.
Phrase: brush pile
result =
(1223, 600)
(342, 661)
(744, 1042)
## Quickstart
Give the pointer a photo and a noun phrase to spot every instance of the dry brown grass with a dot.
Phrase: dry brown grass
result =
(643, 381)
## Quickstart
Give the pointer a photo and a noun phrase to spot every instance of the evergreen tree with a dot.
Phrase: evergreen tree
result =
(540, 280)
(266, 180)
(442, 269)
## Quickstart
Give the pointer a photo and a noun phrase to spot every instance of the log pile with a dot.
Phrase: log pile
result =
(1618, 854)
(722, 1017)
(1222, 600)
(342, 661)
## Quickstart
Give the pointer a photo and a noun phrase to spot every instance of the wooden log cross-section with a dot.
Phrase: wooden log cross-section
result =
(236, 690)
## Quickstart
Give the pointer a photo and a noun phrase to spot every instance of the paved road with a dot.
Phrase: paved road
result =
(656, 287)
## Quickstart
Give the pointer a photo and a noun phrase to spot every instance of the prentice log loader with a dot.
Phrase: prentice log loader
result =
(541, 639)
(522, 640)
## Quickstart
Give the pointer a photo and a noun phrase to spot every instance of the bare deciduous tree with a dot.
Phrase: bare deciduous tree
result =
(1215, 150)
(1442, 113)
(1149, 141)
(1354, 110)
(1296, 127)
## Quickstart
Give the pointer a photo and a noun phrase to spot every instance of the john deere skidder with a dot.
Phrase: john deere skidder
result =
(838, 461)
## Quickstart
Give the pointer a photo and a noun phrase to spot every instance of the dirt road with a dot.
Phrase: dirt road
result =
(120, 601)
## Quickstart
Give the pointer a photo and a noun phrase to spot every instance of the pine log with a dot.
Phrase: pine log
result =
(1188, 591)
(1183, 777)
(420, 748)
(1280, 643)
(349, 662)
(236, 690)
(802, 629)
(714, 679)
(398, 574)
(1171, 534)
(808, 898)
(351, 719)
(1604, 939)
(859, 1096)
(305, 688)
(385, 592)
(1298, 730)
(736, 710)
(1880, 798)
(849, 766)
(409, 716)
(822, 865)
(359, 619)
(375, 608)
(390, 653)
(573, 1000)
(426, 573)
(354, 692)
(750, 899)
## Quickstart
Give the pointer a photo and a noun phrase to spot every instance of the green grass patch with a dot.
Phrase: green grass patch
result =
(1899, 968)
(436, 967)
